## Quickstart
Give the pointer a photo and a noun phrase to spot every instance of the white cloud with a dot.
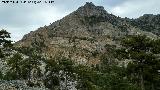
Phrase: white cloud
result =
(136, 8)
(21, 19)
(17, 33)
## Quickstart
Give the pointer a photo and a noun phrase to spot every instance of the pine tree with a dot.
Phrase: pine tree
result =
(5, 47)
(141, 50)
(5, 44)
(15, 63)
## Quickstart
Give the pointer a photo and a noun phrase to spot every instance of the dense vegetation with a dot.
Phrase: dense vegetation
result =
(140, 70)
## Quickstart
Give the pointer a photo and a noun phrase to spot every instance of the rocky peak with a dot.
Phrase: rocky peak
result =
(87, 29)
(89, 4)
(89, 9)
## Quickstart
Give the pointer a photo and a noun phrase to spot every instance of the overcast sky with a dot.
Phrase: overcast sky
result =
(20, 19)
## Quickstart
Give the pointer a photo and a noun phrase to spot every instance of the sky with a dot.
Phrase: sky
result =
(19, 19)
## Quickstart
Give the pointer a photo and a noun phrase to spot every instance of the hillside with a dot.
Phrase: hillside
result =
(148, 22)
(84, 33)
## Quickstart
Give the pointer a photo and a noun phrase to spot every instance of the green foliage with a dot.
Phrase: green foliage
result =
(3, 38)
(86, 78)
(141, 50)
(1, 75)
(20, 67)
(15, 63)
(114, 76)
(53, 68)
(155, 46)
(59, 69)
(10, 75)
(137, 43)
(94, 19)
(5, 44)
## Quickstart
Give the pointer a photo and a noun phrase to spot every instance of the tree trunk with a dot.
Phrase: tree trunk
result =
(142, 82)
(153, 86)
(66, 81)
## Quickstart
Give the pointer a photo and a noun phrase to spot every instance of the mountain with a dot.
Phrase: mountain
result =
(148, 22)
(84, 34)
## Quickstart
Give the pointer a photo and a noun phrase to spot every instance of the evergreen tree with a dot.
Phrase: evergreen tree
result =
(1, 75)
(5, 47)
(5, 44)
(59, 70)
(15, 63)
(141, 50)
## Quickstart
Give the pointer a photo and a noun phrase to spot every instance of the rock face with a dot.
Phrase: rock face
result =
(82, 34)
(17, 85)
(89, 9)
